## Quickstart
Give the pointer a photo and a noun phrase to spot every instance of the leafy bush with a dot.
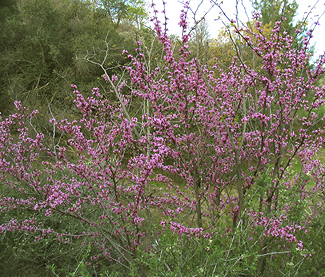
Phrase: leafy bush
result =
(182, 174)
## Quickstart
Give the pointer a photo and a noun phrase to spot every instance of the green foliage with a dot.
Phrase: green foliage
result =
(275, 10)
(7, 7)
(42, 46)
(117, 10)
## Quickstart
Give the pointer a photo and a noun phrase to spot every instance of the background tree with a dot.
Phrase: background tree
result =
(224, 46)
(118, 10)
(200, 41)
(273, 10)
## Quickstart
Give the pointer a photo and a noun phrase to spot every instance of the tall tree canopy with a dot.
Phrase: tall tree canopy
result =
(275, 10)
(117, 10)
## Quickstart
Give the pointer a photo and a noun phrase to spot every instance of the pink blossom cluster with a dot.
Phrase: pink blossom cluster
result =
(198, 150)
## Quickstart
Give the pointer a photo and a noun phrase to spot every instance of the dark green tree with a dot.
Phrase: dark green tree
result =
(120, 10)
(274, 10)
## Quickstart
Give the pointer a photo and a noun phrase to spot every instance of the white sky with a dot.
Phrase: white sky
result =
(173, 8)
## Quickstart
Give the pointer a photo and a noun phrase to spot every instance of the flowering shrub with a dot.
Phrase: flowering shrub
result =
(178, 150)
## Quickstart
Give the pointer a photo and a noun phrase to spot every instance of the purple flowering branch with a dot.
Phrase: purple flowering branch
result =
(192, 159)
